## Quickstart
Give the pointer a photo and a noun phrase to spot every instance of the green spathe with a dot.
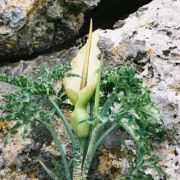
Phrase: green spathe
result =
(80, 89)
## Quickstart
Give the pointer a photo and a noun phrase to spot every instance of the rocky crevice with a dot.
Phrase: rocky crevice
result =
(147, 39)
(29, 28)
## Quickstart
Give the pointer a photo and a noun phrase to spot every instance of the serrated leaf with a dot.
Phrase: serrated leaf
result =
(137, 134)
(108, 104)
(26, 83)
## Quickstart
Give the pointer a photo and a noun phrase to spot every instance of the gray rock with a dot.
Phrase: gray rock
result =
(150, 40)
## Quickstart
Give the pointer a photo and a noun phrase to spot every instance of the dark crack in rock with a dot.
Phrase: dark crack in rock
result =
(2, 161)
(32, 27)
(28, 161)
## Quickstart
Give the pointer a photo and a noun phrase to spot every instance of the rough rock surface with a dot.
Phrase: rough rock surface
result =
(28, 26)
(34, 26)
(19, 159)
(150, 40)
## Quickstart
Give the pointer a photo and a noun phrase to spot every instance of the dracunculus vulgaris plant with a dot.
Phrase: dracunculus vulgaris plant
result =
(42, 99)
(81, 88)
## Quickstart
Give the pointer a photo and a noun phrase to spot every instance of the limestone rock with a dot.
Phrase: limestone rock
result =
(150, 40)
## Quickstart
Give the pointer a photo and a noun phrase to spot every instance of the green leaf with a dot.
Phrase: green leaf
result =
(65, 122)
(29, 85)
(108, 104)
(140, 175)
(97, 93)
(26, 131)
(49, 172)
(142, 145)
(15, 127)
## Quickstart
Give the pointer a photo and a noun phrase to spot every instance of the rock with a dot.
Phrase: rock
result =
(30, 26)
(8, 155)
(150, 40)
(33, 26)
(25, 67)
(2, 162)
